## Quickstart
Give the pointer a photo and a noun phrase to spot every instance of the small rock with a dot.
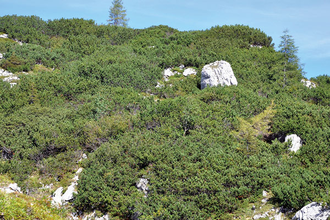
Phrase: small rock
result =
(159, 85)
(264, 200)
(189, 71)
(253, 207)
(4, 36)
(308, 83)
(260, 216)
(5, 73)
(295, 142)
(142, 186)
(168, 72)
(264, 193)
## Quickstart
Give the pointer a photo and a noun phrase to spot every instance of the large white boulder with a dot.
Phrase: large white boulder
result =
(312, 211)
(295, 142)
(218, 73)
(308, 83)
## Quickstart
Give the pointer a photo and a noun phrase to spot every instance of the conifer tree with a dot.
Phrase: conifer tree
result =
(291, 64)
(117, 14)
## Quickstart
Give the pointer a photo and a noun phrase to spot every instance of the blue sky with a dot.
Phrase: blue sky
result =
(307, 21)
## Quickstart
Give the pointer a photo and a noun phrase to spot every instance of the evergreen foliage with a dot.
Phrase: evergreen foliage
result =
(117, 14)
(206, 153)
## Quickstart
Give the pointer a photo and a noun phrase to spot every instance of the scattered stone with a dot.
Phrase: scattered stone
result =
(11, 188)
(167, 73)
(5, 73)
(189, 71)
(10, 78)
(93, 216)
(83, 157)
(264, 193)
(58, 199)
(4, 36)
(142, 186)
(312, 211)
(159, 85)
(181, 67)
(296, 142)
(260, 216)
(257, 46)
(218, 73)
(279, 216)
(308, 83)
(12, 85)
(1, 56)
(253, 207)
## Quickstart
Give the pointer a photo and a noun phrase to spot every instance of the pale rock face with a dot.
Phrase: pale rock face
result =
(312, 211)
(218, 73)
(308, 83)
(142, 186)
(295, 142)
(57, 197)
(189, 71)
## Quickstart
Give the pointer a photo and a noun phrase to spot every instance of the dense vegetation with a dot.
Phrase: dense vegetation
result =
(206, 153)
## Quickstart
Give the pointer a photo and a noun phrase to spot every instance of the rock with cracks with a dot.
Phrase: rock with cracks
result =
(218, 73)
(312, 211)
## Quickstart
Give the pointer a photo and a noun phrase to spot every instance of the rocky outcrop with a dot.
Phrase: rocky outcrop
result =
(142, 186)
(312, 211)
(218, 73)
(308, 83)
(296, 142)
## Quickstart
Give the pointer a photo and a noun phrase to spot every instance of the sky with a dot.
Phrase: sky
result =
(308, 21)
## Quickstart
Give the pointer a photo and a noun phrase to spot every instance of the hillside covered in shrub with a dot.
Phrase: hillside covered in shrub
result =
(207, 154)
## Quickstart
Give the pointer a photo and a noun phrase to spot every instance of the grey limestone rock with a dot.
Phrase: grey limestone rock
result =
(142, 185)
(296, 142)
(218, 73)
(312, 211)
